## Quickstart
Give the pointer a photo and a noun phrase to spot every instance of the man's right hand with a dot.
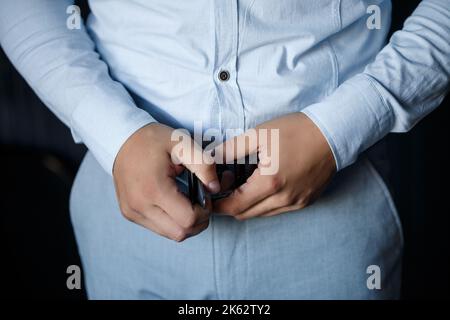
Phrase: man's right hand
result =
(144, 178)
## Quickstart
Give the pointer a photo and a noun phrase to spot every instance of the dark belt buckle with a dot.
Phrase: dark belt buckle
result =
(193, 188)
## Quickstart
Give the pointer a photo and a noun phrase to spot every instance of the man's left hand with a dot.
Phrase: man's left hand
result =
(305, 166)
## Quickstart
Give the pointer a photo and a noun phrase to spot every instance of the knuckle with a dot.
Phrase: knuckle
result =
(127, 213)
(133, 205)
(234, 210)
(197, 229)
(205, 225)
(275, 183)
(237, 193)
(179, 235)
(303, 202)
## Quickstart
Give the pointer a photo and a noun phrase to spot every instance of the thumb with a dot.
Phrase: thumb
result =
(207, 175)
(191, 156)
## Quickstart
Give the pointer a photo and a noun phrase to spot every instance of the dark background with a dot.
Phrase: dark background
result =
(38, 161)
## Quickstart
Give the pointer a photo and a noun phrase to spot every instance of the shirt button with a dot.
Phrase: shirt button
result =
(224, 75)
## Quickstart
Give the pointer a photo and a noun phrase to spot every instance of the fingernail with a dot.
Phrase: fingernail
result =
(214, 186)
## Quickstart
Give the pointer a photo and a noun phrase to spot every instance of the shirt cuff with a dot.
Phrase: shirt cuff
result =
(352, 118)
(105, 119)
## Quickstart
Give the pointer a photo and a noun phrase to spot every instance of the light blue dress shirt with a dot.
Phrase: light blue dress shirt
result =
(159, 60)
(140, 61)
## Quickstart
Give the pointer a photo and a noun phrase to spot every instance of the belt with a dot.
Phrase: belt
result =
(193, 188)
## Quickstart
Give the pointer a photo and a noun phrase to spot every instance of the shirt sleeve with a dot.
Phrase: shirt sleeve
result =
(65, 71)
(406, 81)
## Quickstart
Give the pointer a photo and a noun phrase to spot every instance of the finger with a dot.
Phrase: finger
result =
(200, 163)
(265, 206)
(178, 169)
(285, 209)
(178, 206)
(253, 191)
(160, 222)
(156, 220)
(238, 147)
(207, 174)
(197, 229)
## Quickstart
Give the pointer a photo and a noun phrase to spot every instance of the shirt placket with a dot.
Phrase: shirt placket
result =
(231, 108)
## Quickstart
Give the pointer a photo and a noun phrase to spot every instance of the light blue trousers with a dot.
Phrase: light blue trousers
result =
(321, 252)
